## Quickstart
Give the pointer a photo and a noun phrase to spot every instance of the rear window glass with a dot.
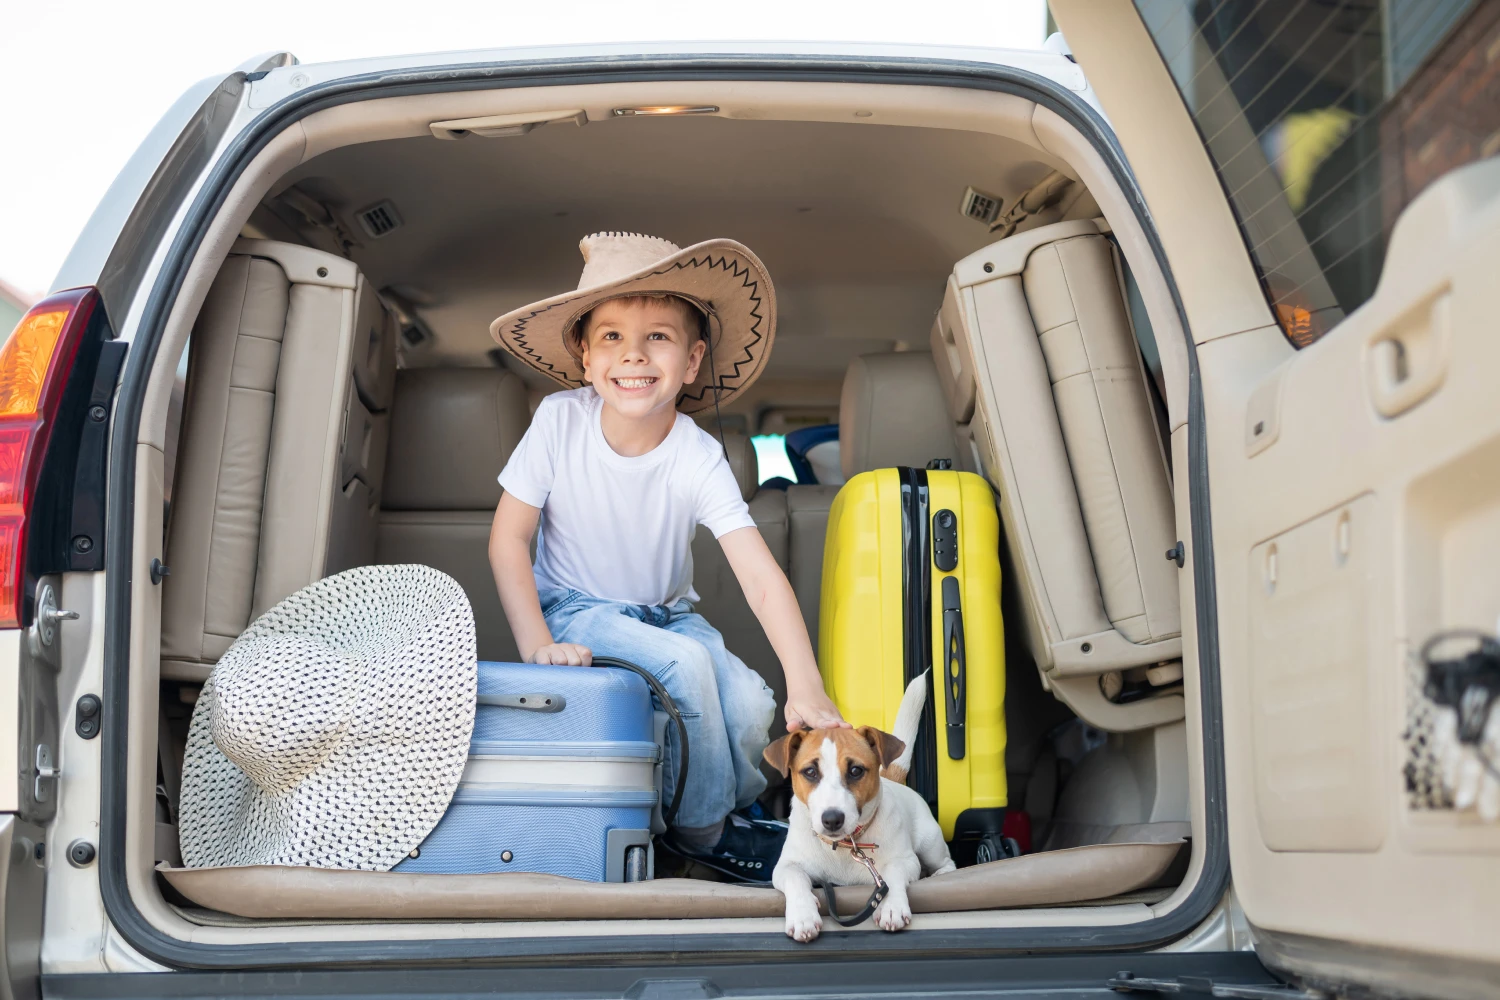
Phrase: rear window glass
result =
(770, 455)
(1324, 119)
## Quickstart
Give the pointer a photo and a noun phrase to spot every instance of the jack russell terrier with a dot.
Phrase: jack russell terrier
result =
(854, 821)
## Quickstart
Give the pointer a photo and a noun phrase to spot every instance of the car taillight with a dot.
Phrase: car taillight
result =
(34, 367)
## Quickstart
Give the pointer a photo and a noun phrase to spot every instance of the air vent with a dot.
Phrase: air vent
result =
(981, 207)
(379, 220)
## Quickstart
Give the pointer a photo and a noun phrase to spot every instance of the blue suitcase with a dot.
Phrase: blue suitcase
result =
(563, 777)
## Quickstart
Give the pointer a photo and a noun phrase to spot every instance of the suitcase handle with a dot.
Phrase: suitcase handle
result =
(669, 814)
(955, 670)
(539, 702)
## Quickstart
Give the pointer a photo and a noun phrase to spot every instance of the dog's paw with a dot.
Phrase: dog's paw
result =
(949, 866)
(894, 914)
(803, 924)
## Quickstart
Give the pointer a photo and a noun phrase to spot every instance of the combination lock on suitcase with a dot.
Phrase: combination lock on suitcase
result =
(911, 583)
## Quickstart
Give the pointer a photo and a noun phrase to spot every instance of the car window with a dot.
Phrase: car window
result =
(770, 455)
(1324, 119)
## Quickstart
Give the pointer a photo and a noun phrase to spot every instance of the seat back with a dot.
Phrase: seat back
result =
(279, 460)
(891, 412)
(1045, 384)
(452, 431)
(721, 599)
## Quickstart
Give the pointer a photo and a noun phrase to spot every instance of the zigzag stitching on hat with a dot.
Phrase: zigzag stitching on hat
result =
(518, 334)
(744, 273)
(726, 263)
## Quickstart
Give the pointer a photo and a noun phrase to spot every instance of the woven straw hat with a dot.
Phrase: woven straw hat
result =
(721, 277)
(334, 731)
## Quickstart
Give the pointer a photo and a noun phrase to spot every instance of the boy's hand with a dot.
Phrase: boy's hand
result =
(812, 710)
(564, 654)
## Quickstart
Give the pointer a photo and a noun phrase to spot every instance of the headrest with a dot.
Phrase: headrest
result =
(741, 453)
(892, 412)
(452, 431)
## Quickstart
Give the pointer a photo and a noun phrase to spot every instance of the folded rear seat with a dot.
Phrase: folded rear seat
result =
(720, 598)
(1044, 381)
(282, 449)
(452, 431)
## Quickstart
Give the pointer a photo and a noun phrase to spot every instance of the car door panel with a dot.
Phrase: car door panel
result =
(1355, 509)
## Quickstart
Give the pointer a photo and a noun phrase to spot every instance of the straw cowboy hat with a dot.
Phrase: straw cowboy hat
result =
(334, 731)
(722, 278)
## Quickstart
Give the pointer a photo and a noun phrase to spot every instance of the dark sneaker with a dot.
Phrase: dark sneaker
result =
(747, 849)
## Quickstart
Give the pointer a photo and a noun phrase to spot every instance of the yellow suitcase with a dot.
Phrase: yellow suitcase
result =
(911, 580)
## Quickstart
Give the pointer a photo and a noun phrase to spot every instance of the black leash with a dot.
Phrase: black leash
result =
(856, 851)
(668, 813)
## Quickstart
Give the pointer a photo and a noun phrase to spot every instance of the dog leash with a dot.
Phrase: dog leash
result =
(668, 813)
(857, 852)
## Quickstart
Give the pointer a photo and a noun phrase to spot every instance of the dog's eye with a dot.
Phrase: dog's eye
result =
(810, 773)
(856, 772)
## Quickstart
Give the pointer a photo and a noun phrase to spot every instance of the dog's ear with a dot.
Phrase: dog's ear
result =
(887, 747)
(779, 754)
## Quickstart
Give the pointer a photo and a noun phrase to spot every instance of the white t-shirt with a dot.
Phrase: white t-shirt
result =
(619, 527)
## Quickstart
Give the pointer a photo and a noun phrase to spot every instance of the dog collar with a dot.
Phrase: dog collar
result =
(849, 843)
(857, 852)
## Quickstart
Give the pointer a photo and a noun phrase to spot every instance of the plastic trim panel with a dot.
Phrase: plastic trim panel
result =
(1053, 977)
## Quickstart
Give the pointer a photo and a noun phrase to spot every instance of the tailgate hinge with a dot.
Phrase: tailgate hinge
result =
(1127, 982)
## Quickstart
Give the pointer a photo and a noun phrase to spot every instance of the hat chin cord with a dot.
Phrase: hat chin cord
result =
(713, 374)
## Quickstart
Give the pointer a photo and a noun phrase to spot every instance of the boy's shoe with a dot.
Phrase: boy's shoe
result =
(748, 848)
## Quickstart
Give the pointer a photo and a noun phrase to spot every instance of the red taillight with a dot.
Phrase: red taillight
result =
(34, 367)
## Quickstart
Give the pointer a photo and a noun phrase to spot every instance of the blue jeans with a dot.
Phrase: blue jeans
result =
(725, 705)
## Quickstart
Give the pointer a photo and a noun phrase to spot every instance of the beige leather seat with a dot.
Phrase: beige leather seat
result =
(891, 412)
(721, 599)
(1044, 381)
(452, 431)
(281, 453)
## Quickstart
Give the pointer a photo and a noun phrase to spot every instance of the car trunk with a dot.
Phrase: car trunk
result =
(261, 470)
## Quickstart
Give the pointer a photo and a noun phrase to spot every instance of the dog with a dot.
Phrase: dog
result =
(849, 789)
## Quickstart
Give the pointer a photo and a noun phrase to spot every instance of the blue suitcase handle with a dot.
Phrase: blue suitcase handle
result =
(669, 814)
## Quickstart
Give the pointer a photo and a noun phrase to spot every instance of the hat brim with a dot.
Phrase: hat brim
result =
(722, 275)
(383, 787)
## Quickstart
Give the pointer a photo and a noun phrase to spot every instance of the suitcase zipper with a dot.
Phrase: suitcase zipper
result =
(916, 626)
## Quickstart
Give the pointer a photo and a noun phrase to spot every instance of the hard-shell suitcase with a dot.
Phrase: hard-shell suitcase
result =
(911, 580)
(562, 777)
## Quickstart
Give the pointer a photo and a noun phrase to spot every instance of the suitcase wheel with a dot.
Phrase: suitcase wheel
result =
(993, 847)
(635, 864)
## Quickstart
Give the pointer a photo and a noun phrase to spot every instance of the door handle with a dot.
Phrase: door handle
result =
(1408, 358)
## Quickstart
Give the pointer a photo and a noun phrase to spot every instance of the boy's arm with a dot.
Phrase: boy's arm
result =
(510, 560)
(770, 596)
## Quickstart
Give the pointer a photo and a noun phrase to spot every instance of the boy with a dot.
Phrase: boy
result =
(618, 476)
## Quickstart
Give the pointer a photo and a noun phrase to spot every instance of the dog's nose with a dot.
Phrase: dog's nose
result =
(833, 819)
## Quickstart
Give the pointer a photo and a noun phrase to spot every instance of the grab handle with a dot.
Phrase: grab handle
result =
(1408, 358)
(955, 679)
(540, 702)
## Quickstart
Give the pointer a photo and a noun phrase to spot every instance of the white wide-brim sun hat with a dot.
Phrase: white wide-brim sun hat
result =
(334, 731)
(721, 278)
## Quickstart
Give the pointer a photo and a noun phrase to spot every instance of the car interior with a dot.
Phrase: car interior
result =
(960, 278)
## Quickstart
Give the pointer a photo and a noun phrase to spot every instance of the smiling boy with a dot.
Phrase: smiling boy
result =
(618, 477)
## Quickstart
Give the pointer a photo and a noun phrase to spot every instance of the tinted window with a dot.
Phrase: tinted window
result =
(1324, 119)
